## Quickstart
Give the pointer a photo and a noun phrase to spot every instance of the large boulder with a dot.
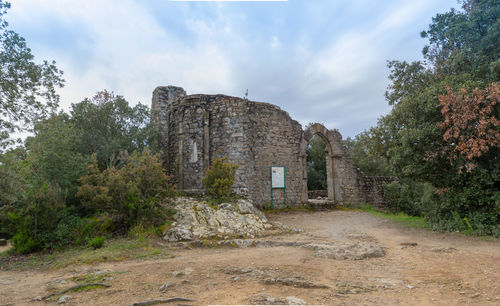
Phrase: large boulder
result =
(197, 220)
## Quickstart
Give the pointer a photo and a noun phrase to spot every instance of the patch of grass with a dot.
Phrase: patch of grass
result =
(115, 250)
(88, 288)
(91, 278)
(401, 218)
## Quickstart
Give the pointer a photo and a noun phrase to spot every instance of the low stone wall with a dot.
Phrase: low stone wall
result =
(373, 188)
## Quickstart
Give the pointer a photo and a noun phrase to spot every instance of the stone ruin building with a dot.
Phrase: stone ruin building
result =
(198, 128)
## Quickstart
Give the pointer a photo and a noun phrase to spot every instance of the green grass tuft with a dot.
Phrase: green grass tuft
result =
(115, 250)
(401, 218)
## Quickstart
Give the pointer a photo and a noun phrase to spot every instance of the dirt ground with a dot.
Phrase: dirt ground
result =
(419, 267)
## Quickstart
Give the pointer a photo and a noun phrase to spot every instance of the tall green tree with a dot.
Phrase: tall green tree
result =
(445, 102)
(368, 150)
(53, 154)
(27, 89)
(111, 126)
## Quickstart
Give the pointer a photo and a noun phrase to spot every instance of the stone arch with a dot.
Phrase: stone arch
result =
(333, 151)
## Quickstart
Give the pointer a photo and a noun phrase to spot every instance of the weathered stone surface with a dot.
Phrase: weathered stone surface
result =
(166, 286)
(197, 128)
(292, 300)
(270, 276)
(63, 299)
(268, 299)
(354, 251)
(196, 220)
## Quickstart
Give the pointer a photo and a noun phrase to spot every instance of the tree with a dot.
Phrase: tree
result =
(53, 154)
(110, 126)
(466, 41)
(27, 89)
(471, 127)
(369, 152)
(443, 126)
(316, 164)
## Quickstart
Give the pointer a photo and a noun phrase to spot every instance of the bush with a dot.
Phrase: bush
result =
(411, 198)
(24, 243)
(96, 242)
(219, 178)
(473, 210)
(36, 221)
(131, 195)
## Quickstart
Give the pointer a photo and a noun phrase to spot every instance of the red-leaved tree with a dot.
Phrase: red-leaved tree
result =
(471, 127)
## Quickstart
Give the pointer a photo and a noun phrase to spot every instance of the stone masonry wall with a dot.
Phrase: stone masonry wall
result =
(197, 128)
(253, 135)
(373, 188)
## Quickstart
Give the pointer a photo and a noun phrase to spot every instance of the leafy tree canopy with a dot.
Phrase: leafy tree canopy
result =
(27, 89)
(111, 126)
(444, 126)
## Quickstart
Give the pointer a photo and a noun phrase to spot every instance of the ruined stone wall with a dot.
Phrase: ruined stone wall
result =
(253, 135)
(373, 189)
(197, 128)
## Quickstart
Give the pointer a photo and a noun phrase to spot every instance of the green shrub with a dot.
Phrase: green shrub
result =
(96, 242)
(133, 194)
(473, 210)
(219, 178)
(411, 198)
(24, 243)
(36, 220)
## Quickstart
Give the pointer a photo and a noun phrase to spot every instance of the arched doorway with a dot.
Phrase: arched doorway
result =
(316, 166)
(332, 179)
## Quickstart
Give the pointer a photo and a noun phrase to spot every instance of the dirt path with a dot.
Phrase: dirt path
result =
(419, 268)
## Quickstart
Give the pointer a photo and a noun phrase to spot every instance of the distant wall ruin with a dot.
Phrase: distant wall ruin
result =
(198, 128)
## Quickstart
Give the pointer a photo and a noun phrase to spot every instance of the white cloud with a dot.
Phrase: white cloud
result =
(132, 53)
(317, 56)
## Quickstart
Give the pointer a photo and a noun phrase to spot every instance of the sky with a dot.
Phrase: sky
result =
(320, 60)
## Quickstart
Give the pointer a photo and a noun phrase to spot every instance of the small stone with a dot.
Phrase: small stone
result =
(475, 295)
(410, 286)
(63, 299)
(166, 286)
(292, 300)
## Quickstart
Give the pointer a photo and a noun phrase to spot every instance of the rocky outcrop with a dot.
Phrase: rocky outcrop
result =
(197, 220)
